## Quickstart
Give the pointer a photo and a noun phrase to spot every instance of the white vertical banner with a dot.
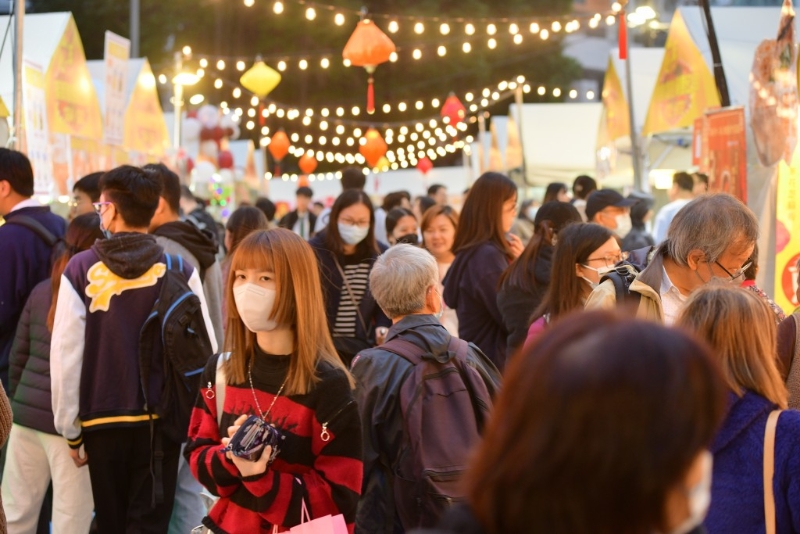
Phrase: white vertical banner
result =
(34, 109)
(117, 51)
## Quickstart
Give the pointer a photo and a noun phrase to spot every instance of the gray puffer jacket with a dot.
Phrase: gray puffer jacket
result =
(29, 364)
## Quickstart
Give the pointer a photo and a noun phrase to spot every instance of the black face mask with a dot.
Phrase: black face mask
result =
(408, 239)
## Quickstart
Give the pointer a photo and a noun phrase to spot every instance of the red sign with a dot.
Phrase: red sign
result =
(726, 157)
(697, 143)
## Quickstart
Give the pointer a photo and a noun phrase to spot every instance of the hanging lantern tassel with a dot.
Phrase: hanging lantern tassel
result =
(623, 35)
(370, 89)
(261, 119)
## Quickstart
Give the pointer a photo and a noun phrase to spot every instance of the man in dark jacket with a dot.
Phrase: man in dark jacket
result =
(182, 238)
(404, 281)
(301, 221)
(26, 243)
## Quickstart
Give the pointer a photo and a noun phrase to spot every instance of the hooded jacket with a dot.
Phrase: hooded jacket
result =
(470, 288)
(737, 491)
(379, 376)
(106, 295)
(25, 262)
(198, 247)
(517, 305)
(29, 370)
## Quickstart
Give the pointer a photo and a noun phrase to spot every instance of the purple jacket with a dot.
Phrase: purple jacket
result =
(737, 493)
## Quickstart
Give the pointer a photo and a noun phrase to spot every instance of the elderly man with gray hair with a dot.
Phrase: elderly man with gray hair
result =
(711, 238)
(404, 282)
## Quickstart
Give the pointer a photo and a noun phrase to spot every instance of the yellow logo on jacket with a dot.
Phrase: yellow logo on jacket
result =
(104, 284)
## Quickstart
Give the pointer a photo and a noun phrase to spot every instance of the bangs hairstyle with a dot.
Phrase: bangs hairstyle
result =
(333, 240)
(299, 303)
(629, 403)
(432, 213)
(747, 355)
(244, 221)
(482, 215)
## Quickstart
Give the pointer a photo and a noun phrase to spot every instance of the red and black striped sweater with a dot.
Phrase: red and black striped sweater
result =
(326, 473)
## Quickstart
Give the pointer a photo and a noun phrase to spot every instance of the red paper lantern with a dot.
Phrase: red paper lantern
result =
(368, 47)
(424, 165)
(225, 159)
(279, 146)
(307, 163)
(373, 147)
(454, 110)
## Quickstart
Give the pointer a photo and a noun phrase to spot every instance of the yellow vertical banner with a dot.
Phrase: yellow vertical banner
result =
(685, 87)
(145, 129)
(787, 234)
(616, 106)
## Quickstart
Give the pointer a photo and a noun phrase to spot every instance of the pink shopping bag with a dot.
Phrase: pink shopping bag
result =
(328, 524)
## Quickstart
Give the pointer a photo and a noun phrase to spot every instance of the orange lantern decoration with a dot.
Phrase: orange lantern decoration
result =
(454, 110)
(307, 164)
(424, 165)
(373, 147)
(279, 147)
(368, 47)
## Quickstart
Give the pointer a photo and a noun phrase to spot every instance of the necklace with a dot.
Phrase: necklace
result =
(264, 415)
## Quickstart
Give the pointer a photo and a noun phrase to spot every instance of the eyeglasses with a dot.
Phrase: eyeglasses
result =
(738, 276)
(611, 259)
(351, 222)
(98, 206)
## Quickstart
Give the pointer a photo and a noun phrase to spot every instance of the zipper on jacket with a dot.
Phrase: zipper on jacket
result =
(325, 435)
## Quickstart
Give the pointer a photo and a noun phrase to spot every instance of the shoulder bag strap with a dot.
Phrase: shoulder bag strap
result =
(219, 387)
(34, 226)
(769, 471)
(461, 347)
(351, 295)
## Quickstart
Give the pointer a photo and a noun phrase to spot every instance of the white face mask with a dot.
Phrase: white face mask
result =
(699, 498)
(624, 225)
(255, 304)
(440, 313)
(352, 234)
(531, 213)
(593, 285)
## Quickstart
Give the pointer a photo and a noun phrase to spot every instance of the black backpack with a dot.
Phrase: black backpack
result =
(174, 343)
(625, 272)
(444, 407)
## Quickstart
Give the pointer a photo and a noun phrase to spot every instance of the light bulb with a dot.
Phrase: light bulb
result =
(492, 43)
(277, 7)
(419, 28)
(249, 3)
(393, 26)
(221, 65)
(544, 34)
(491, 29)
(324, 63)
(355, 111)
(513, 29)
(254, 101)
(203, 63)
(442, 51)
(556, 26)
(417, 53)
(469, 29)
(534, 28)
(311, 13)
(237, 92)
(218, 83)
(556, 92)
(444, 28)
(281, 66)
(518, 39)
(387, 108)
(240, 66)
(402, 106)
(338, 19)
(541, 90)
(419, 105)
(467, 48)
(303, 64)
(393, 57)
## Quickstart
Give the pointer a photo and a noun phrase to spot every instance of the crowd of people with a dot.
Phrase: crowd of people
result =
(512, 367)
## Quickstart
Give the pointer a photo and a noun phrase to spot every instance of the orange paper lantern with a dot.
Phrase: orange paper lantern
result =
(373, 147)
(307, 164)
(368, 47)
(279, 146)
(454, 110)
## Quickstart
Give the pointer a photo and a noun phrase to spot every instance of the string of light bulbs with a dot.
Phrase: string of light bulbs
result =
(445, 24)
(324, 59)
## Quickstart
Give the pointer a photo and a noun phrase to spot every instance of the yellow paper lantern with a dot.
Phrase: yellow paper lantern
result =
(260, 79)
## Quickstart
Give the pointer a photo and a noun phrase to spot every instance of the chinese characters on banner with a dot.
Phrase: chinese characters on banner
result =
(36, 131)
(787, 231)
(117, 50)
(721, 148)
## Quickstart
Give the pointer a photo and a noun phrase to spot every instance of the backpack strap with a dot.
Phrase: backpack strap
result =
(174, 263)
(219, 386)
(405, 349)
(34, 226)
(461, 348)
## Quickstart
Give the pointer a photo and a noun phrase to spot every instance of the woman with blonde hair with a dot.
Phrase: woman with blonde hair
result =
(740, 327)
(283, 368)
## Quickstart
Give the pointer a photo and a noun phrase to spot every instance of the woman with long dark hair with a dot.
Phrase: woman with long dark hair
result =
(484, 248)
(36, 454)
(584, 252)
(242, 222)
(346, 250)
(524, 283)
(556, 192)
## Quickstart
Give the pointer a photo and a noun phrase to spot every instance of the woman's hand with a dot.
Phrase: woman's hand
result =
(516, 245)
(231, 431)
(380, 335)
(248, 468)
